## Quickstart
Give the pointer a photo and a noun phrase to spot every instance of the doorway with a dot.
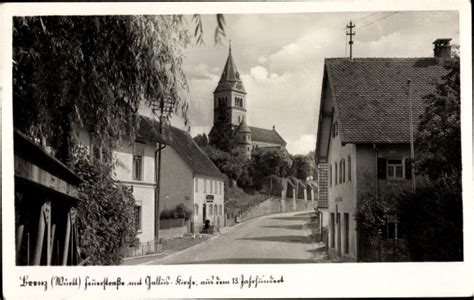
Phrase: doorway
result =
(204, 213)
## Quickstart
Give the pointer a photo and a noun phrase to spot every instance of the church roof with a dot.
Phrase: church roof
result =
(243, 127)
(266, 136)
(182, 143)
(370, 95)
(230, 78)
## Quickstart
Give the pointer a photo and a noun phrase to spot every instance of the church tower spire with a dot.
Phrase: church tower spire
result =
(230, 93)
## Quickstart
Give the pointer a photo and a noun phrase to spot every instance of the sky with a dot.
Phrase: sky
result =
(281, 56)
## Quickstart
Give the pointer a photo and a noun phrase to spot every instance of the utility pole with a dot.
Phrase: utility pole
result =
(350, 34)
(412, 144)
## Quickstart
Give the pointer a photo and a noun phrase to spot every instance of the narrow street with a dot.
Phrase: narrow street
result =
(282, 238)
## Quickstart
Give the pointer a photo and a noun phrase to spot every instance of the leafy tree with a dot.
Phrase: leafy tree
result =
(104, 68)
(266, 162)
(227, 163)
(439, 134)
(432, 216)
(106, 219)
(221, 133)
(432, 221)
(201, 140)
(301, 167)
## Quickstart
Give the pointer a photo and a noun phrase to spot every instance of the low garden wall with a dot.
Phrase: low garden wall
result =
(270, 206)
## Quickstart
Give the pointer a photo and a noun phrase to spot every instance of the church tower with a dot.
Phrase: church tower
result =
(229, 95)
(243, 141)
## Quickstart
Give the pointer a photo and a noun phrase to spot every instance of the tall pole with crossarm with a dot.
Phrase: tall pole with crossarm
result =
(412, 143)
(350, 34)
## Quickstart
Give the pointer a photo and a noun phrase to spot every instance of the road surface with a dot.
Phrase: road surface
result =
(281, 238)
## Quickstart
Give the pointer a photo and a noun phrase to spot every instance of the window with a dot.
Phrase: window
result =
(222, 102)
(239, 102)
(196, 185)
(210, 181)
(137, 167)
(334, 129)
(330, 175)
(349, 168)
(205, 185)
(346, 233)
(238, 118)
(220, 209)
(215, 209)
(215, 187)
(332, 229)
(391, 230)
(138, 217)
(335, 173)
(394, 168)
(343, 170)
(210, 209)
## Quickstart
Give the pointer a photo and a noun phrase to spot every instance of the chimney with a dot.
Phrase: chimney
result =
(273, 127)
(442, 48)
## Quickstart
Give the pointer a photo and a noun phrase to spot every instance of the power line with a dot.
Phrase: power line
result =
(378, 20)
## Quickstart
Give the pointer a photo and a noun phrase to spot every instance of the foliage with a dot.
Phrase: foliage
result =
(201, 140)
(180, 211)
(229, 164)
(432, 217)
(266, 162)
(273, 185)
(302, 167)
(104, 68)
(221, 133)
(433, 222)
(439, 139)
(106, 219)
(371, 214)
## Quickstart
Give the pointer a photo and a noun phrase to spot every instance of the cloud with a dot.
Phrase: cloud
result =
(200, 71)
(281, 56)
(302, 145)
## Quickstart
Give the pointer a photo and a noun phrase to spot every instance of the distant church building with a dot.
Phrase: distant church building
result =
(230, 98)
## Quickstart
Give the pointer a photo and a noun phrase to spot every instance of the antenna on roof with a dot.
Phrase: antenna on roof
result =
(350, 34)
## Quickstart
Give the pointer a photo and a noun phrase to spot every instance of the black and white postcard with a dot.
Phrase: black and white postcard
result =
(236, 150)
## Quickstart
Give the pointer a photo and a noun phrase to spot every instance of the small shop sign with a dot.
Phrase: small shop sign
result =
(209, 198)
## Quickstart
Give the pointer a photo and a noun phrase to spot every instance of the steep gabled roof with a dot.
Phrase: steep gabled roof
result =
(266, 136)
(230, 78)
(192, 154)
(370, 95)
(183, 144)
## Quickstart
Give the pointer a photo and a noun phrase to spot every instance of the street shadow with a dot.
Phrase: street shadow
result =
(294, 218)
(251, 261)
(293, 227)
(280, 238)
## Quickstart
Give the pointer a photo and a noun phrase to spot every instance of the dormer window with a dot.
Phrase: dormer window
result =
(334, 129)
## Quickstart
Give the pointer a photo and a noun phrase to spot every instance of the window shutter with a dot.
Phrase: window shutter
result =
(408, 168)
(381, 168)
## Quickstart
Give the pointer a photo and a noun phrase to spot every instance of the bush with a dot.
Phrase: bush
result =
(106, 219)
(180, 211)
(433, 222)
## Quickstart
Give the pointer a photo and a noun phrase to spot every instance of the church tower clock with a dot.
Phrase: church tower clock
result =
(229, 95)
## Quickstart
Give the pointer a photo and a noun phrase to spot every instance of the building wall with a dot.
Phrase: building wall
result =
(143, 190)
(176, 182)
(341, 200)
(202, 189)
(259, 144)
